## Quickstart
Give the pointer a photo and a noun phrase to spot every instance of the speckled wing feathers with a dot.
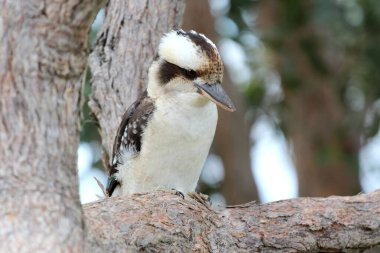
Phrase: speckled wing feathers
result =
(128, 139)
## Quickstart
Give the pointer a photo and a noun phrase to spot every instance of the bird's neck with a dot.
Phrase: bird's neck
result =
(154, 89)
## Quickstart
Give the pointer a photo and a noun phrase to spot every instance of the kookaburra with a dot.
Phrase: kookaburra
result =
(165, 136)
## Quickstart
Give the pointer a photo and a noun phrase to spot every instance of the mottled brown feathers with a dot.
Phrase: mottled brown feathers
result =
(201, 42)
(133, 123)
(129, 133)
(213, 68)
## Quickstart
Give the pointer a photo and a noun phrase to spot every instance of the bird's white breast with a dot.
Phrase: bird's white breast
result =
(175, 145)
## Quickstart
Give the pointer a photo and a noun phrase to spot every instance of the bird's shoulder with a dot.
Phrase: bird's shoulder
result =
(128, 137)
(131, 128)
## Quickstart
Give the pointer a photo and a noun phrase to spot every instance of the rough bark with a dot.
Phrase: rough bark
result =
(232, 140)
(42, 56)
(164, 222)
(315, 118)
(119, 66)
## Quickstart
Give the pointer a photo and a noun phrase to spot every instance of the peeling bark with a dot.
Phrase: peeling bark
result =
(164, 222)
(43, 53)
(119, 66)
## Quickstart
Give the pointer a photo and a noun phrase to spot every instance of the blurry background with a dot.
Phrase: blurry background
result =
(304, 76)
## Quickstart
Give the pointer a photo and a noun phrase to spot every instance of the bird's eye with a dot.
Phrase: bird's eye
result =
(190, 74)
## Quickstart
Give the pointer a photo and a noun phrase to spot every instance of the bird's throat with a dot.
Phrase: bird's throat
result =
(199, 101)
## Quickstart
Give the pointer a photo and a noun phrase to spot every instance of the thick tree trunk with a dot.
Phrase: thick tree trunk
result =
(42, 57)
(232, 141)
(164, 222)
(325, 146)
(124, 50)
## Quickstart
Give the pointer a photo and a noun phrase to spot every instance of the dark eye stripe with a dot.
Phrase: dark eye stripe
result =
(168, 71)
(189, 74)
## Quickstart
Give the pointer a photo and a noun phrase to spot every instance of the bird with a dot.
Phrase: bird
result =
(165, 136)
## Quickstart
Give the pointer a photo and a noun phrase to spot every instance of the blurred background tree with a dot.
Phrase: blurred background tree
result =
(232, 143)
(325, 54)
(304, 76)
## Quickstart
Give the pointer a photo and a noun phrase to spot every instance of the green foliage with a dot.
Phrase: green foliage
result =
(254, 93)
(292, 15)
(89, 132)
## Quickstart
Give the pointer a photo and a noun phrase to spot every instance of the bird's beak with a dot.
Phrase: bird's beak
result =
(215, 93)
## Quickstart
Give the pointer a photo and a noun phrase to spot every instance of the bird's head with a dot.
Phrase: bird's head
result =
(188, 62)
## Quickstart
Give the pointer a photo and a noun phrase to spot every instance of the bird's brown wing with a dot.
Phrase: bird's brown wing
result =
(128, 137)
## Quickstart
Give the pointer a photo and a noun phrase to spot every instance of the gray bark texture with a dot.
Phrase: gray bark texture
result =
(43, 53)
(124, 50)
(164, 222)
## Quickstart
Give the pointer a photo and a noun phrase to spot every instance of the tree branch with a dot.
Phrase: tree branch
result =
(162, 221)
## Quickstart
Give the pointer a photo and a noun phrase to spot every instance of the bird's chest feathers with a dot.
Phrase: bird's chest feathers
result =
(180, 134)
(175, 145)
(184, 119)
